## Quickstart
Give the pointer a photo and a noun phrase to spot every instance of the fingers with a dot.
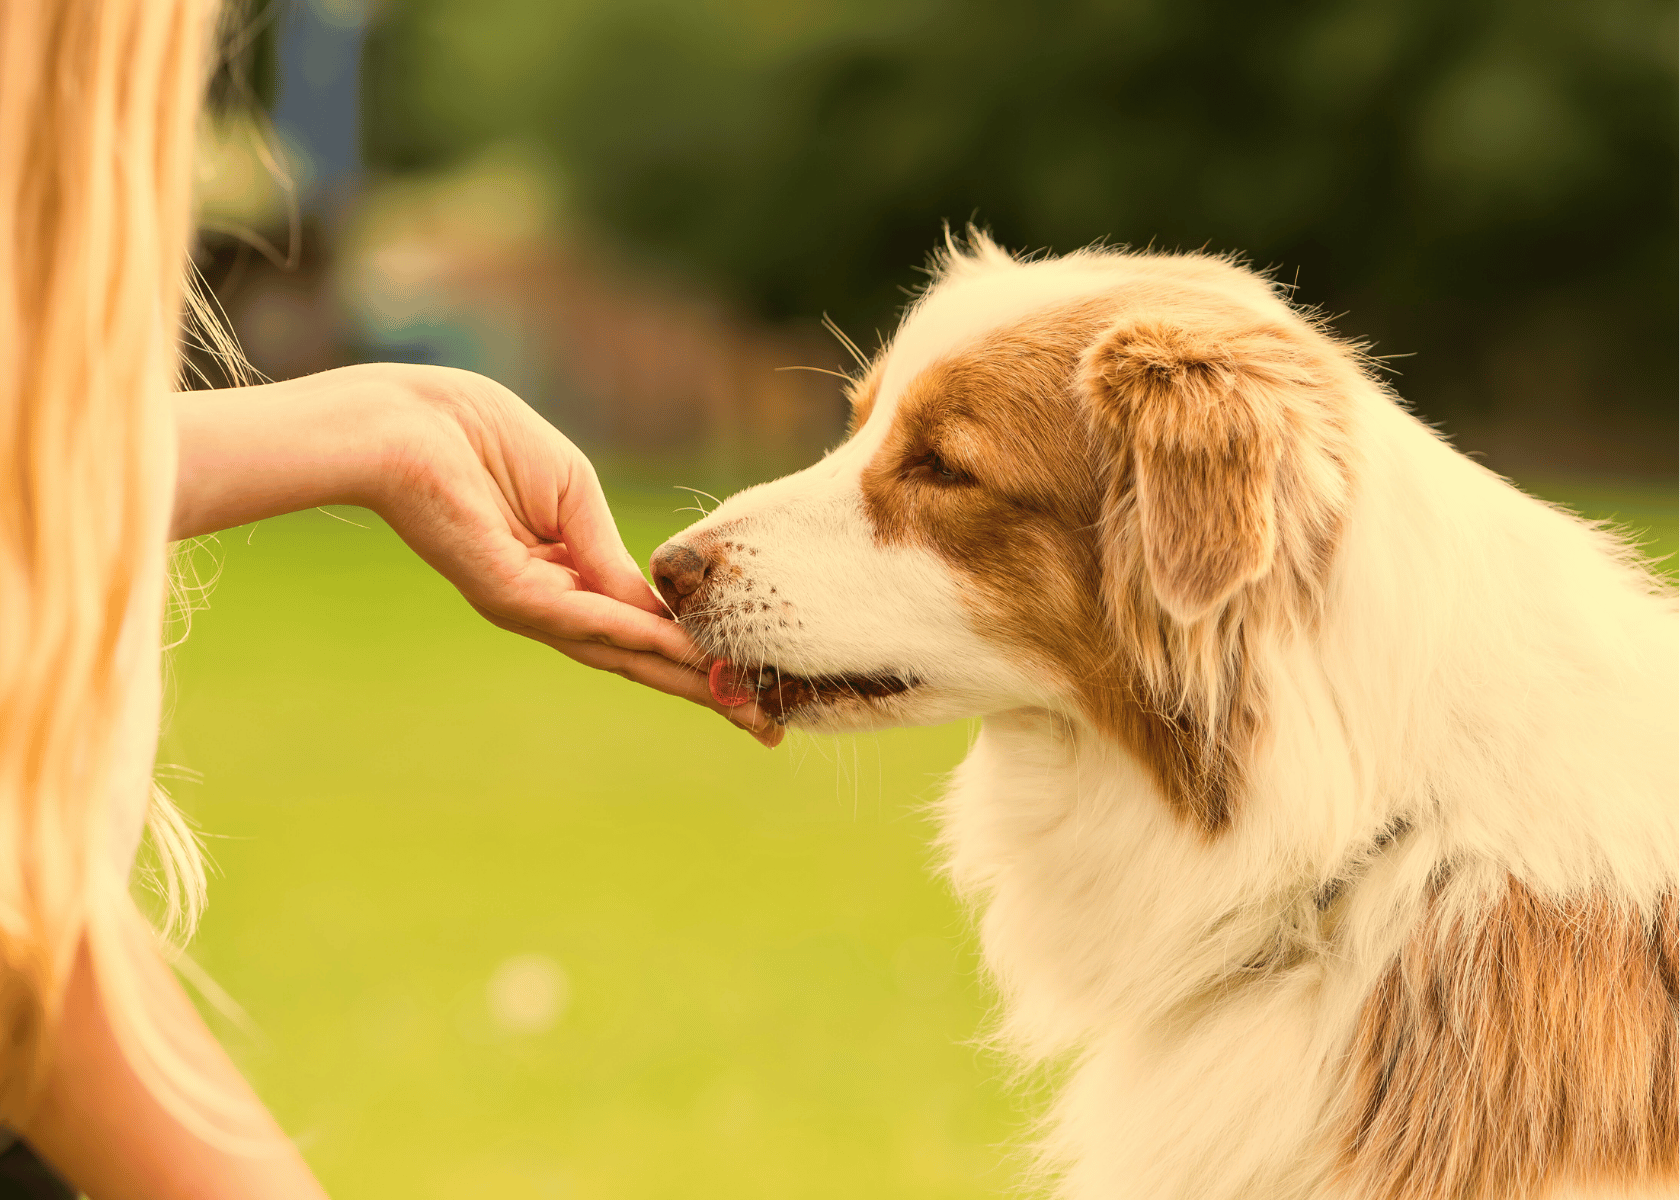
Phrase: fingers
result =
(597, 551)
(552, 605)
(653, 651)
(543, 486)
(673, 679)
(555, 552)
(520, 524)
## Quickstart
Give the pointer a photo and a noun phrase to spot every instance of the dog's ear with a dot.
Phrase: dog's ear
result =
(1228, 470)
(1195, 421)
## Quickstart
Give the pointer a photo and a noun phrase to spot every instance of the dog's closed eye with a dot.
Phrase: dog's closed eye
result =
(930, 467)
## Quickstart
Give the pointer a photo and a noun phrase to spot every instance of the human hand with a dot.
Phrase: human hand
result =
(511, 512)
(476, 483)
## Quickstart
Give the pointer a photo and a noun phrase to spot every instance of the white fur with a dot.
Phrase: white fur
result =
(1488, 668)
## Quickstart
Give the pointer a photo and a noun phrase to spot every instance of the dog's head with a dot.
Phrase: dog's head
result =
(1082, 484)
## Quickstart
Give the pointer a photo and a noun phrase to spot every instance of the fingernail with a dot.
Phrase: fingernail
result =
(766, 731)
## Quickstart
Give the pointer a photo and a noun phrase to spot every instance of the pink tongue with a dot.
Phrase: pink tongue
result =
(730, 685)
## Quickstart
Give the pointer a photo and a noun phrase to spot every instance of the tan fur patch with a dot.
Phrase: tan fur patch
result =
(1206, 442)
(1533, 1048)
(1224, 504)
(1237, 458)
(1120, 504)
(1018, 517)
(860, 395)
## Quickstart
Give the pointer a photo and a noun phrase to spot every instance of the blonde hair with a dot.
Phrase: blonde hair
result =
(98, 106)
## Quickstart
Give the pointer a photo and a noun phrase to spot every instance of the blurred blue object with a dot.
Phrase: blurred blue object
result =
(318, 103)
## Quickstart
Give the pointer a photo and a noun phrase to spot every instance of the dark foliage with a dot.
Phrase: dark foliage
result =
(1490, 187)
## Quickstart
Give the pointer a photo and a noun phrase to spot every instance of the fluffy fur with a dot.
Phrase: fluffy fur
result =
(1323, 818)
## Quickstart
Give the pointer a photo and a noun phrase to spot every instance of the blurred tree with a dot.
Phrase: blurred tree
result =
(1490, 186)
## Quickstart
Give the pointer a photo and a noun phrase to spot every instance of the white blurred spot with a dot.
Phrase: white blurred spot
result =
(526, 994)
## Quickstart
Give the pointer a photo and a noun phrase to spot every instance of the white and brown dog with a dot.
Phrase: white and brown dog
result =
(1323, 816)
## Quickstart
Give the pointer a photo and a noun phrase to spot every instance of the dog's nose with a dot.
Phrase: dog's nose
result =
(678, 571)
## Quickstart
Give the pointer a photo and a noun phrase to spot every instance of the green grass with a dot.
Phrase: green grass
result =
(769, 994)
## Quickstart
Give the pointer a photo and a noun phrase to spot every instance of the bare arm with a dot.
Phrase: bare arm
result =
(109, 1136)
(477, 484)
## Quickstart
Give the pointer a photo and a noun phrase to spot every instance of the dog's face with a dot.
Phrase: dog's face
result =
(1062, 477)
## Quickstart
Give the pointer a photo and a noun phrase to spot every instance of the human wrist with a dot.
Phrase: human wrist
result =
(255, 452)
(374, 413)
(408, 416)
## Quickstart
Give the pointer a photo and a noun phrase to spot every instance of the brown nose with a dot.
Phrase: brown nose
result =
(678, 572)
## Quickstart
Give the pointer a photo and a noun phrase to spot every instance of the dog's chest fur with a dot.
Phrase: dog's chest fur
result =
(1223, 1012)
(1118, 935)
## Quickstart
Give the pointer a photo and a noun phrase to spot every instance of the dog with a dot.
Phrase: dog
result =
(1322, 819)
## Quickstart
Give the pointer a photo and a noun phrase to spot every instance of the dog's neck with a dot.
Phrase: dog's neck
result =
(1116, 911)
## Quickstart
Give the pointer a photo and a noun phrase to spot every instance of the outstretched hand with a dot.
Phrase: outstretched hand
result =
(512, 514)
(488, 493)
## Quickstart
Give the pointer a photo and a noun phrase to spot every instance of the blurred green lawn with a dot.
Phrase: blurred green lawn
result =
(767, 993)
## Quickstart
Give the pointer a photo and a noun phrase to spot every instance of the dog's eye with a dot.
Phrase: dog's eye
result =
(930, 466)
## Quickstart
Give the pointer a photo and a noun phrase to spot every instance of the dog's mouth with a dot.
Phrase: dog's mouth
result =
(780, 693)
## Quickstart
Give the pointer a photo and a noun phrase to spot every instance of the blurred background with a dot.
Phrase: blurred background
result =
(633, 212)
(503, 927)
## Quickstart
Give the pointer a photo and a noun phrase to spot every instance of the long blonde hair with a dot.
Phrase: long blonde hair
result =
(98, 106)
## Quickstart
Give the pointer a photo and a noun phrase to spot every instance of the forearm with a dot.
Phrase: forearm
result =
(106, 1133)
(254, 452)
(481, 487)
